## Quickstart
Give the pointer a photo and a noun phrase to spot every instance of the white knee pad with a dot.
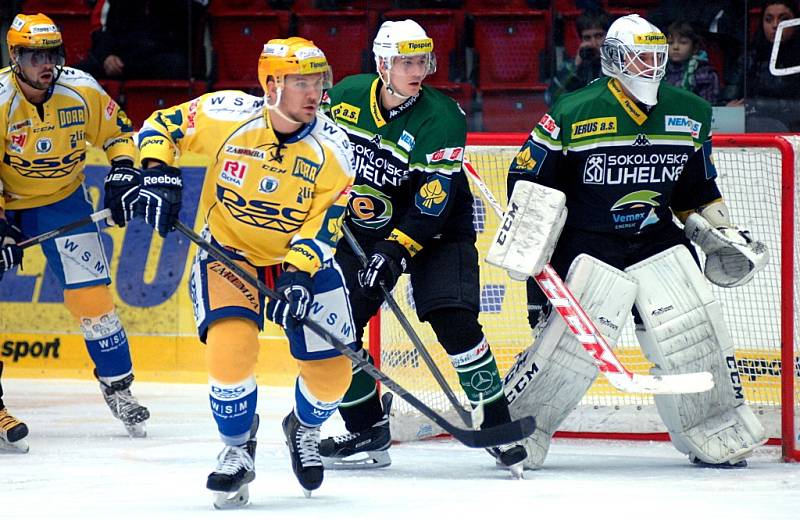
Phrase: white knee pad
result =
(549, 378)
(683, 331)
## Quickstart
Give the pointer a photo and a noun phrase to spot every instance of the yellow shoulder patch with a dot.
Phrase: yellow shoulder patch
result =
(347, 112)
(596, 126)
(524, 159)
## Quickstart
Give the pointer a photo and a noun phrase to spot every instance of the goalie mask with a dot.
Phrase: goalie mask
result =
(291, 56)
(34, 40)
(397, 41)
(635, 53)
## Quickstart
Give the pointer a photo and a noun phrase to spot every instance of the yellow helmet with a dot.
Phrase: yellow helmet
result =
(34, 39)
(33, 31)
(293, 55)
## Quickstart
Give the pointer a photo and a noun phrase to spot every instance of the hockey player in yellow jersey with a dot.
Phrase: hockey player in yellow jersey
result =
(49, 115)
(273, 197)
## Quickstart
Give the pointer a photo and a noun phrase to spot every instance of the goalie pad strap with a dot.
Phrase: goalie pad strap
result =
(552, 375)
(683, 331)
(528, 234)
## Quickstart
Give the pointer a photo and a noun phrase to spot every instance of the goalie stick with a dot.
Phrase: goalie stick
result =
(471, 420)
(66, 228)
(585, 331)
(493, 436)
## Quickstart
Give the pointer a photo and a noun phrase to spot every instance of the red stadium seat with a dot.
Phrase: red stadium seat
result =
(512, 110)
(238, 41)
(143, 97)
(446, 27)
(495, 5)
(635, 5)
(50, 7)
(250, 87)
(344, 36)
(564, 5)
(238, 7)
(76, 32)
(572, 39)
(464, 93)
(112, 87)
(510, 46)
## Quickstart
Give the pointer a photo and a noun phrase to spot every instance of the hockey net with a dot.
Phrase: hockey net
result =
(756, 176)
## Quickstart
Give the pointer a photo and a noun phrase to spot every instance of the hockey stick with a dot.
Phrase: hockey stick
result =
(471, 420)
(38, 239)
(493, 436)
(587, 334)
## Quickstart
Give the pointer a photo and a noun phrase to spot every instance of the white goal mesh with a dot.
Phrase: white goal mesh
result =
(750, 177)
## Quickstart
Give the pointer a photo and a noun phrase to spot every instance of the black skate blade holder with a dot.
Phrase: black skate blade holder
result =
(493, 436)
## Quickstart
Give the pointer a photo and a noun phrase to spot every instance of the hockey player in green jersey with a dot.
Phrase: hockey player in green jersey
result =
(411, 211)
(630, 152)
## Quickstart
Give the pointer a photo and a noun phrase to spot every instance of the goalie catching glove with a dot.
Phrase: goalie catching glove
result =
(159, 201)
(732, 256)
(122, 191)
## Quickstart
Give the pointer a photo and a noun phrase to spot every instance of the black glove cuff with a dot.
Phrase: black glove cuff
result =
(395, 252)
(127, 163)
(289, 278)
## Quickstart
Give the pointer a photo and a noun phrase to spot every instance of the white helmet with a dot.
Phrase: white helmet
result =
(628, 41)
(402, 38)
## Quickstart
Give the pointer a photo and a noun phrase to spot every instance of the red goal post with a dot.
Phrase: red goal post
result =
(757, 178)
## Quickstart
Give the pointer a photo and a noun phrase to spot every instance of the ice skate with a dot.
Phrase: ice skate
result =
(303, 443)
(739, 464)
(367, 449)
(12, 433)
(235, 470)
(124, 405)
(511, 457)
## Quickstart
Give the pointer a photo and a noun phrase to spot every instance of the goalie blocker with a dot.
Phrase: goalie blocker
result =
(531, 226)
(681, 331)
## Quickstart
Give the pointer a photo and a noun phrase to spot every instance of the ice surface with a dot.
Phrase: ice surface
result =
(82, 465)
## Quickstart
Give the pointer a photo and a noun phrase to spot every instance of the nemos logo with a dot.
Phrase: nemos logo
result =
(21, 349)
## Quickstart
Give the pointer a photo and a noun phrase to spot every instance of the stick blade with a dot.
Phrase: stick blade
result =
(667, 384)
(505, 433)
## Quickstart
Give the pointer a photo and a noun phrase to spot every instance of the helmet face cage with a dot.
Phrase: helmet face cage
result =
(646, 62)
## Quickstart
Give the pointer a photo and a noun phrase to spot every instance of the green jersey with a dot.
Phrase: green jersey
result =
(409, 181)
(623, 169)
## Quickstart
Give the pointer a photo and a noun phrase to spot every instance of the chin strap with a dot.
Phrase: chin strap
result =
(277, 110)
(389, 88)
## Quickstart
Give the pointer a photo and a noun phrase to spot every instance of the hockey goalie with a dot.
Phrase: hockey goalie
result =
(630, 153)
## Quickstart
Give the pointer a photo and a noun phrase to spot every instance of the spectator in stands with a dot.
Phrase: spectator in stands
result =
(719, 21)
(688, 65)
(585, 68)
(770, 101)
(145, 39)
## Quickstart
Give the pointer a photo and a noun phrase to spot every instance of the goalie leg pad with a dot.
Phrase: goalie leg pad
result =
(683, 331)
(552, 375)
(527, 237)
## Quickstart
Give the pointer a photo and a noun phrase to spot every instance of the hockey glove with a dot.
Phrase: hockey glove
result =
(296, 287)
(732, 256)
(121, 191)
(159, 199)
(388, 261)
(10, 252)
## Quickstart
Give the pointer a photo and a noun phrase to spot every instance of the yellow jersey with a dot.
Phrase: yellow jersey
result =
(45, 147)
(268, 200)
